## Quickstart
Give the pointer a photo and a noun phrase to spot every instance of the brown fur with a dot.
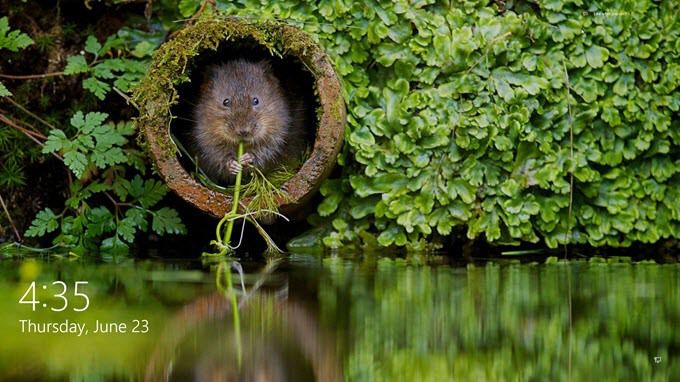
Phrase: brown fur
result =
(272, 131)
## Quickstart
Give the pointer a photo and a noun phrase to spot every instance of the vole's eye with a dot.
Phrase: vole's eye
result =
(226, 102)
(256, 101)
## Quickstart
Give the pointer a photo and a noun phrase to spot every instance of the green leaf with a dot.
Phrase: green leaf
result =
(12, 40)
(362, 137)
(121, 187)
(56, 140)
(596, 56)
(108, 136)
(116, 41)
(388, 53)
(459, 187)
(126, 128)
(138, 217)
(166, 220)
(76, 162)
(587, 89)
(91, 122)
(532, 84)
(98, 88)
(76, 64)
(45, 221)
(188, 7)
(4, 92)
(392, 235)
(92, 45)
(110, 157)
(84, 142)
(126, 229)
(135, 187)
(380, 184)
(153, 192)
(99, 221)
(329, 204)
(78, 120)
(102, 72)
(143, 49)
(114, 246)
(393, 98)
(611, 116)
(364, 207)
(503, 89)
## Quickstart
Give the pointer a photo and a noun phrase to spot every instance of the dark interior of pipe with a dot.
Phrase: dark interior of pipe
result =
(291, 72)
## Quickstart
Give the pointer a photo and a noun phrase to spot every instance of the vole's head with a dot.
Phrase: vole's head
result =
(245, 102)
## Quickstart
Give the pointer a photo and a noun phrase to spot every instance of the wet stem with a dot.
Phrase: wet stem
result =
(234, 202)
(235, 312)
(225, 268)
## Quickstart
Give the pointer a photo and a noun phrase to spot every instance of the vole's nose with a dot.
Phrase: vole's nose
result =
(242, 132)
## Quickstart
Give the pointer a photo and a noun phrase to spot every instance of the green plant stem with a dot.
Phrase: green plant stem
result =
(234, 201)
(228, 289)
(234, 311)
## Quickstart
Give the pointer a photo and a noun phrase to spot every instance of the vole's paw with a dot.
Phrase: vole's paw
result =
(234, 167)
(247, 159)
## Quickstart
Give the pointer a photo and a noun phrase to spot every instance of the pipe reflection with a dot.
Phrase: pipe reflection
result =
(277, 339)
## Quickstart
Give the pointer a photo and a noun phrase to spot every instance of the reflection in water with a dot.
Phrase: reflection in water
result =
(280, 341)
(367, 319)
(510, 322)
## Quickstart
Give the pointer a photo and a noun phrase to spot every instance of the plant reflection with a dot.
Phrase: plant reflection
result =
(242, 333)
(564, 321)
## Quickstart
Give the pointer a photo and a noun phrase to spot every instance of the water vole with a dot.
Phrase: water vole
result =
(243, 101)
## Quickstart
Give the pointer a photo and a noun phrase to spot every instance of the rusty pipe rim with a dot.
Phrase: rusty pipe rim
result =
(157, 93)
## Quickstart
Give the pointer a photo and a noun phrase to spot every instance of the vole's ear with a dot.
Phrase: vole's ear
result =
(207, 76)
(266, 66)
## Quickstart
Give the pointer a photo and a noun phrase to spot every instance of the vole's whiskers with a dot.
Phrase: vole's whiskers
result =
(185, 119)
(189, 102)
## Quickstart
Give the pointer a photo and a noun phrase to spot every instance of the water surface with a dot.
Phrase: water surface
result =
(331, 318)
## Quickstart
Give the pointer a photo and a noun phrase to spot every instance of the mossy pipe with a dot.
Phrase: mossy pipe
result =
(157, 93)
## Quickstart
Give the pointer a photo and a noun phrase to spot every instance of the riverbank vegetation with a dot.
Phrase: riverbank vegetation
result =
(542, 122)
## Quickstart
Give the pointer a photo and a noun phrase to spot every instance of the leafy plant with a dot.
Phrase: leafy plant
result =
(98, 155)
(110, 198)
(115, 64)
(12, 40)
(541, 121)
(95, 145)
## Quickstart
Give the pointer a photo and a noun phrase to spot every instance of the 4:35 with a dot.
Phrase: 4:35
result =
(29, 296)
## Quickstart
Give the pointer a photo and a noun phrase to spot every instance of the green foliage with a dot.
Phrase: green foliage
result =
(99, 156)
(110, 198)
(13, 156)
(45, 222)
(127, 57)
(13, 41)
(95, 145)
(461, 115)
(4, 92)
(188, 7)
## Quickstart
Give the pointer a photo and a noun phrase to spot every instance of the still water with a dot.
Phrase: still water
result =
(331, 318)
